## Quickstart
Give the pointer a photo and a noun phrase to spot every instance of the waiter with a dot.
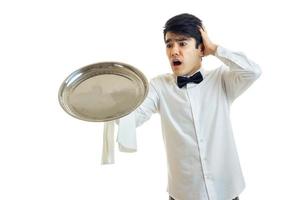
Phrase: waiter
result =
(194, 106)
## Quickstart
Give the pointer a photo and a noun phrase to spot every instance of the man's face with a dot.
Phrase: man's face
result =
(184, 57)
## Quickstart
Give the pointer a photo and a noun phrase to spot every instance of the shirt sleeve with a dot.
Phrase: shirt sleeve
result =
(126, 137)
(148, 107)
(127, 125)
(239, 72)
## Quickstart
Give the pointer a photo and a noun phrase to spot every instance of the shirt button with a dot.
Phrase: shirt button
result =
(201, 140)
(208, 177)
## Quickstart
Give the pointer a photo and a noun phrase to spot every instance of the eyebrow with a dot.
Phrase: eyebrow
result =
(177, 40)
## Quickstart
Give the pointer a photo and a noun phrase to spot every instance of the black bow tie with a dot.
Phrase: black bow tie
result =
(182, 81)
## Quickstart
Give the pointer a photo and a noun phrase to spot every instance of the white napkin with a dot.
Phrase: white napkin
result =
(126, 137)
(108, 154)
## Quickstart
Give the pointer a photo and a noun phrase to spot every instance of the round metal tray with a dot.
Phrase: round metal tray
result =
(103, 91)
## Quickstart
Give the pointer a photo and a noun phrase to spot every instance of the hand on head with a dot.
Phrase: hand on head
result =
(209, 48)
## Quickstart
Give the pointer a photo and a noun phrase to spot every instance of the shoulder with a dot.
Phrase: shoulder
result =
(214, 73)
(163, 79)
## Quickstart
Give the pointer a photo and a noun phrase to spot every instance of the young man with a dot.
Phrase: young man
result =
(194, 105)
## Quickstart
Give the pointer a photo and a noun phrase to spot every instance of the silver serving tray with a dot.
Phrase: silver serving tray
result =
(103, 91)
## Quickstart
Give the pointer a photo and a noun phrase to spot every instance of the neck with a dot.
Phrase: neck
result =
(193, 71)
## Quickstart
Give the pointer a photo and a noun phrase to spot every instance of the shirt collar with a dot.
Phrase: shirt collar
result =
(201, 70)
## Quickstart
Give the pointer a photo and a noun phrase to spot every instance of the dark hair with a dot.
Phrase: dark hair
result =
(185, 24)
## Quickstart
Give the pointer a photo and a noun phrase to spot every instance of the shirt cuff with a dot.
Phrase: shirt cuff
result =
(220, 52)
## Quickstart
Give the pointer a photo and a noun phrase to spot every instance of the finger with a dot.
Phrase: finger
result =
(203, 33)
(202, 29)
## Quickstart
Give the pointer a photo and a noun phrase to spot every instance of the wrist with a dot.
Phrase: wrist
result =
(214, 49)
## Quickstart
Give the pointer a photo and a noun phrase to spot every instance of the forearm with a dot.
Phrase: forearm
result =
(237, 62)
(239, 73)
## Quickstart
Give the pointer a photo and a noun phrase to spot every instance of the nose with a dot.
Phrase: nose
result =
(174, 50)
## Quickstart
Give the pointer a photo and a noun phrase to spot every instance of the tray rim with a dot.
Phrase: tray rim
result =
(85, 69)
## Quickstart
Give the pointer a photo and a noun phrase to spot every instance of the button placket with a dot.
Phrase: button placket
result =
(201, 144)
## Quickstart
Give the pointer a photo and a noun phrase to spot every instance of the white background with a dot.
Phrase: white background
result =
(46, 154)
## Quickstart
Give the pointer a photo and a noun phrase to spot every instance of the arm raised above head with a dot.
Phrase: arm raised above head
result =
(239, 73)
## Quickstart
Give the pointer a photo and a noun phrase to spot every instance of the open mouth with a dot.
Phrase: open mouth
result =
(176, 62)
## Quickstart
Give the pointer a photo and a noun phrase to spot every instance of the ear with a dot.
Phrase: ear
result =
(201, 50)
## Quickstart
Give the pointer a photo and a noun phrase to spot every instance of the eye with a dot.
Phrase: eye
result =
(182, 44)
(168, 45)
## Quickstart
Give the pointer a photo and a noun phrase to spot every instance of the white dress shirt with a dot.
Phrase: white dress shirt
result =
(202, 160)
